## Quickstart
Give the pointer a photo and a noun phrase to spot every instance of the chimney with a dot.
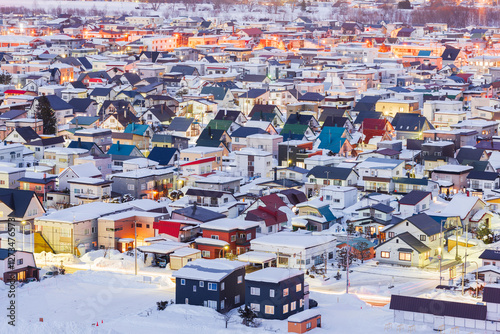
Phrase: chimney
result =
(118, 144)
(194, 208)
(275, 173)
(79, 142)
(76, 122)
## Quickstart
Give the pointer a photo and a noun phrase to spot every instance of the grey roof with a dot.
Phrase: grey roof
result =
(490, 254)
(477, 175)
(438, 307)
(413, 242)
(253, 93)
(332, 173)
(162, 155)
(206, 193)
(17, 200)
(13, 113)
(199, 213)
(414, 197)
(425, 223)
(466, 153)
(56, 103)
(180, 124)
(410, 122)
(27, 133)
(246, 131)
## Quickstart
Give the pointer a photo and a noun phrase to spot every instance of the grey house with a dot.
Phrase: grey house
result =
(144, 183)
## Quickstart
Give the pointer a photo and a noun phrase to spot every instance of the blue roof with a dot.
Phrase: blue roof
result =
(120, 149)
(327, 213)
(330, 138)
(424, 53)
(137, 129)
(162, 155)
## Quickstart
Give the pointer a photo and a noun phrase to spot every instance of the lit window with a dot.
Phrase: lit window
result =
(404, 256)
(298, 287)
(285, 292)
(269, 309)
(285, 308)
(385, 255)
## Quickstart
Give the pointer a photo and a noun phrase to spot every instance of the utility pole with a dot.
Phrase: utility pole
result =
(440, 251)
(464, 268)
(347, 264)
(135, 244)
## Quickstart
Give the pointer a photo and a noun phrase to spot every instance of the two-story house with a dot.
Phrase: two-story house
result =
(276, 293)
(218, 284)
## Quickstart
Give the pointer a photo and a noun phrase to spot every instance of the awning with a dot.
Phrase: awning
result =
(125, 240)
(405, 250)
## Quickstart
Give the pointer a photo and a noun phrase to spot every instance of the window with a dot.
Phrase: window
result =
(249, 236)
(216, 237)
(298, 287)
(240, 279)
(139, 225)
(202, 284)
(194, 288)
(130, 187)
(205, 253)
(285, 308)
(222, 304)
(222, 286)
(212, 303)
(308, 325)
(183, 281)
(318, 322)
(269, 309)
(385, 255)
(301, 302)
(19, 261)
(233, 238)
(255, 307)
(422, 237)
(390, 235)
(237, 299)
(255, 291)
(285, 292)
(212, 286)
(404, 256)
(271, 293)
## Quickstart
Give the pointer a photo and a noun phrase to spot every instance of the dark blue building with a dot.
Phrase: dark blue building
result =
(219, 284)
(275, 293)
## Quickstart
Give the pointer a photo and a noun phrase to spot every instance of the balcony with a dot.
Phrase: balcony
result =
(242, 241)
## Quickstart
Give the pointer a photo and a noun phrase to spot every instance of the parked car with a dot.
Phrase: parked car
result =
(50, 274)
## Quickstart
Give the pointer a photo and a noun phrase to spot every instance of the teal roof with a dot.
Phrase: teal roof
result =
(424, 53)
(327, 213)
(84, 120)
(136, 129)
(120, 149)
(218, 92)
(330, 138)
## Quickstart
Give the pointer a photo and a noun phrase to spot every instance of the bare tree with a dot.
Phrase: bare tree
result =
(364, 250)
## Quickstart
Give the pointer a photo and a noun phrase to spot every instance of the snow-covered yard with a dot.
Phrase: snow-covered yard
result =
(124, 304)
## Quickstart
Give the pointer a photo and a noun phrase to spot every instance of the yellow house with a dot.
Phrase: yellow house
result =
(391, 107)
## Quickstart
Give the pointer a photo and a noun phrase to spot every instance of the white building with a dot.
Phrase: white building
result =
(339, 197)
(253, 162)
(296, 249)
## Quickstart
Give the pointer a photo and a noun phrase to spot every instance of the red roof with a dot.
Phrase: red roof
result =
(272, 201)
(15, 91)
(252, 31)
(269, 216)
(168, 227)
(374, 124)
(198, 162)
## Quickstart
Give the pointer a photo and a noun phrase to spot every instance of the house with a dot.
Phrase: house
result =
(252, 162)
(86, 190)
(20, 205)
(144, 183)
(276, 293)
(309, 250)
(9, 177)
(224, 201)
(40, 145)
(490, 257)
(196, 214)
(270, 219)
(161, 140)
(320, 176)
(22, 135)
(414, 203)
(404, 250)
(40, 183)
(371, 127)
(304, 321)
(165, 156)
(481, 181)
(82, 170)
(378, 173)
(184, 127)
(17, 266)
(339, 197)
(371, 219)
(118, 230)
(235, 233)
(218, 284)
(451, 178)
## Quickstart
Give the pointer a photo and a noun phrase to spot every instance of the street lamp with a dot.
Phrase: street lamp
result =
(225, 248)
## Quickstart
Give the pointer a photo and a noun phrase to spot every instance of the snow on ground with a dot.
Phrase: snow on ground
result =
(72, 303)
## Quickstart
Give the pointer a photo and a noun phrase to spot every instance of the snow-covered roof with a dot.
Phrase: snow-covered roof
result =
(273, 274)
(208, 270)
(453, 168)
(163, 247)
(460, 205)
(228, 224)
(211, 242)
(256, 257)
(186, 251)
(304, 315)
(292, 239)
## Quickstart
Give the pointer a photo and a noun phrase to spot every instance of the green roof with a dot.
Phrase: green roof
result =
(218, 92)
(295, 129)
(219, 124)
